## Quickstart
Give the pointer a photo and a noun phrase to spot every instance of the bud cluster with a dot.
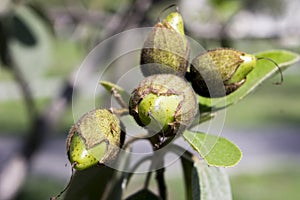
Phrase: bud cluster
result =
(164, 102)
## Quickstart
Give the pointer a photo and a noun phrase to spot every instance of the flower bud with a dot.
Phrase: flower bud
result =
(166, 50)
(95, 139)
(163, 104)
(220, 72)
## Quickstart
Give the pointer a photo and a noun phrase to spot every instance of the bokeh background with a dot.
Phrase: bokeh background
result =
(43, 43)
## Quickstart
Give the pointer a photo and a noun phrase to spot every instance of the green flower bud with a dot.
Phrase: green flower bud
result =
(166, 50)
(95, 139)
(163, 104)
(227, 66)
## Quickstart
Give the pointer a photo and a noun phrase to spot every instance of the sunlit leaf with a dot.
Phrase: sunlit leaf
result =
(217, 151)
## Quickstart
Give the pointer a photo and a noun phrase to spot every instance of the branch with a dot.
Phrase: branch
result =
(161, 183)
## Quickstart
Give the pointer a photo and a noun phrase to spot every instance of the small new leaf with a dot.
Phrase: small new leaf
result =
(109, 86)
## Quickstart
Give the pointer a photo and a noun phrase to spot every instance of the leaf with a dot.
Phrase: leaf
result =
(263, 70)
(143, 195)
(22, 32)
(109, 86)
(31, 48)
(217, 151)
(203, 182)
(210, 183)
(41, 11)
(90, 183)
(226, 9)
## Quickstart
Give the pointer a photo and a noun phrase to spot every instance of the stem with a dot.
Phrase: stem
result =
(67, 186)
(161, 183)
(160, 179)
(147, 182)
(155, 142)
(120, 112)
(119, 98)
(34, 138)
(25, 90)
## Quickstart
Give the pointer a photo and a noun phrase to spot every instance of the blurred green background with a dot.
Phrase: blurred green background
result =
(270, 116)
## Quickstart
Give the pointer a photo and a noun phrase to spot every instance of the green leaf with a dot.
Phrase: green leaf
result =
(263, 70)
(109, 86)
(210, 183)
(144, 195)
(217, 151)
(226, 9)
